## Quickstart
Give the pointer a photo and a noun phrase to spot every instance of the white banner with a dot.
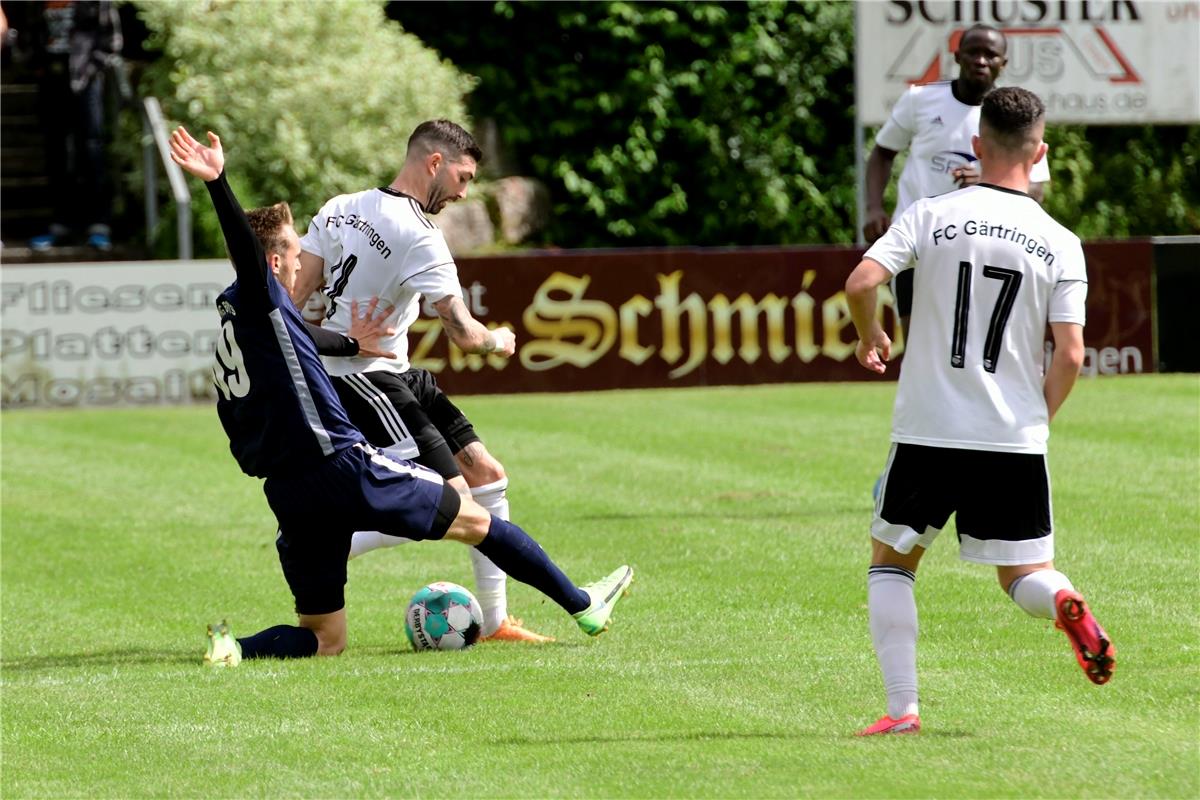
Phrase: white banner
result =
(112, 333)
(1098, 62)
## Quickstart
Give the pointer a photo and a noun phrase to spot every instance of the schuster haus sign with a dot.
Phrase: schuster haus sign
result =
(1099, 62)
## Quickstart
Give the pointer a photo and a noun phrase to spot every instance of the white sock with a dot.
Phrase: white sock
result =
(366, 541)
(1035, 592)
(490, 581)
(893, 613)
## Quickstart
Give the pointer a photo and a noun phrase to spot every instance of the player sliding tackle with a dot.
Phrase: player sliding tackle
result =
(973, 409)
(323, 481)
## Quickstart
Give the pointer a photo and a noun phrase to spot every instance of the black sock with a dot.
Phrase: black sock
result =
(512, 550)
(282, 641)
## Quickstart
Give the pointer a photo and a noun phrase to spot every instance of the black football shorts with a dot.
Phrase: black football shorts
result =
(1000, 502)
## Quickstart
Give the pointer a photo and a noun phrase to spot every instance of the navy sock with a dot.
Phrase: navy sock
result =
(512, 550)
(282, 641)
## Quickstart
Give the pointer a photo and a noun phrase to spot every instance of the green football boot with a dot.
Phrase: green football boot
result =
(595, 619)
(223, 649)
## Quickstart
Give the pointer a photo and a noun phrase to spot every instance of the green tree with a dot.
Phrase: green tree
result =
(668, 123)
(311, 99)
(1116, 182)
(712, 124)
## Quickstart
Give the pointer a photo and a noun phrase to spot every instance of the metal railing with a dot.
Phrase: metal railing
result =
(154, 128)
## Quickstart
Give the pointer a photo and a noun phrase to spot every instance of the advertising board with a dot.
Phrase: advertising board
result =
(143, 333)
(1095, 62)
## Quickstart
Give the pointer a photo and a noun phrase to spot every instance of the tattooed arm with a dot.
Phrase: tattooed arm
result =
(468, 333)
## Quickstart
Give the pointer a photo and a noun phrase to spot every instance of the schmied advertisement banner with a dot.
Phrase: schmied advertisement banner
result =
(143, 333)
(1096, 62)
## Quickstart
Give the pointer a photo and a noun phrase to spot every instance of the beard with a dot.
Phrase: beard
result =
(437, 199)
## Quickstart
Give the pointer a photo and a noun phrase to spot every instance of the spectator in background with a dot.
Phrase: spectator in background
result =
(936, 121)
(74, 41)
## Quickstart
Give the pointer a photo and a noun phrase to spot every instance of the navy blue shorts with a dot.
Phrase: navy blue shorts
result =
(358, 489)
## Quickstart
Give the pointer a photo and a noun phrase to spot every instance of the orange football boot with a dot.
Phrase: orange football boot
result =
(514, 630)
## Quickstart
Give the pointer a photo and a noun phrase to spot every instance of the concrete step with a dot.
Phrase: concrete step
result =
(25, 222)
(20, 254)
(22, 160)
(11, 183)
(28, 120)
(19, 230)
(21, 137)
(18, 99)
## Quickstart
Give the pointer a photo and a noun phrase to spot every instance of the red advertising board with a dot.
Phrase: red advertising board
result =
(143, 332)
(691, 317)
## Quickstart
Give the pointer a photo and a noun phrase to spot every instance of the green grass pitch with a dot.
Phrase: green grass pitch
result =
(739, 666)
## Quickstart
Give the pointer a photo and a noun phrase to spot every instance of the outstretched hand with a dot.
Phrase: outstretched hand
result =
(369, 328)
(206, 163)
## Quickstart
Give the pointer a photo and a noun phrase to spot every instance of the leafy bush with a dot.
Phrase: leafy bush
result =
(1116, 182)
(310, 99)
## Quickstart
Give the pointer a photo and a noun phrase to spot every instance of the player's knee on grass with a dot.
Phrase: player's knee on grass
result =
(330, 630)
(471, 525)
(479, 466)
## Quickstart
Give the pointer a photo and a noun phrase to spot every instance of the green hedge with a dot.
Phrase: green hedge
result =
(1117, 182)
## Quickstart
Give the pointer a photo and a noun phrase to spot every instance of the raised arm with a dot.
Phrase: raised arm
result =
(208, 164)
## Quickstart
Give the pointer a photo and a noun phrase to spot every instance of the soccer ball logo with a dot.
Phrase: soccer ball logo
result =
(443, 616)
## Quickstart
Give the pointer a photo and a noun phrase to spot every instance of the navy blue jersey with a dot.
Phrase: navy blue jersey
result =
(275, 399)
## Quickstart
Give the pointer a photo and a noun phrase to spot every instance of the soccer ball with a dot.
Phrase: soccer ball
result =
(443, 616)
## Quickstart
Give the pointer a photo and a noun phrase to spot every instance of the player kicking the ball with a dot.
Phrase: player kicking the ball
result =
(323, 481)
(991, 270)
(380, 243)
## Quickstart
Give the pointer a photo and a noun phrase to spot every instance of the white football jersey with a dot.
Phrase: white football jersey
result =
(379, 243)
(939, 129)
(991, 269)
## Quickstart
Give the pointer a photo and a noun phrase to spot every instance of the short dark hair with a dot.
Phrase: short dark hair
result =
(445, 136)
(1009, 116)
(979, 27)
(267, 224)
